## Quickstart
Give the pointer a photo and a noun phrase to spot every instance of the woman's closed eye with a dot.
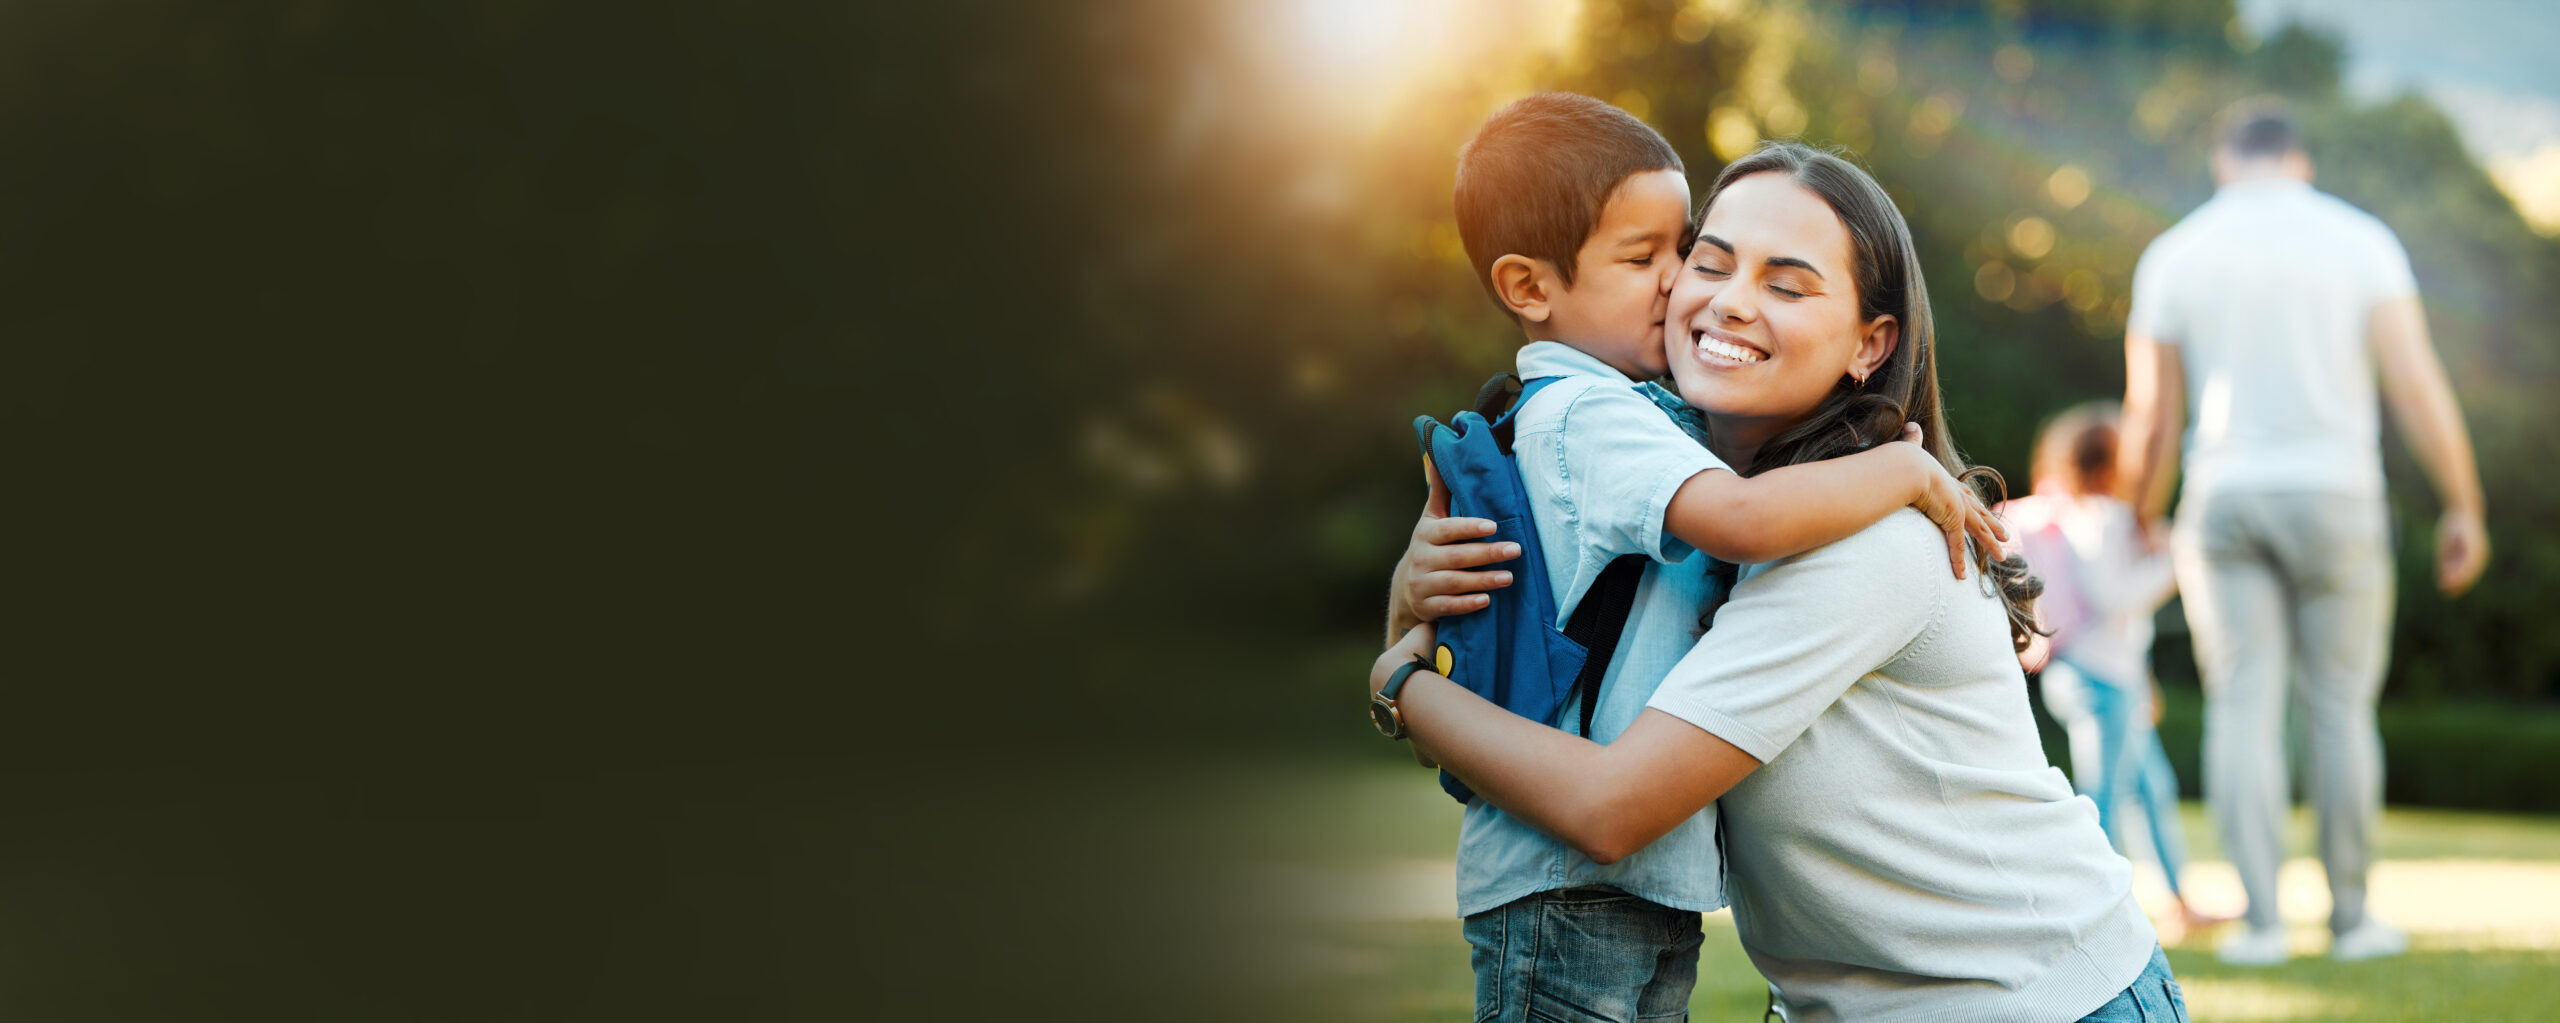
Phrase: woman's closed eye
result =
(1791, 283)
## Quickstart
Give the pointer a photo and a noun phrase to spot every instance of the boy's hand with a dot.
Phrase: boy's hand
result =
(1958, 511)
(1441, 574)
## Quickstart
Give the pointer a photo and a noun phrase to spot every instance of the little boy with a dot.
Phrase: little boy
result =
(1576, 217)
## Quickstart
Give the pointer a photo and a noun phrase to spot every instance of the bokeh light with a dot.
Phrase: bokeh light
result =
(2031, 237)
(2013, 63)
(1995, 281)
(1731, 132)
(2069, 186)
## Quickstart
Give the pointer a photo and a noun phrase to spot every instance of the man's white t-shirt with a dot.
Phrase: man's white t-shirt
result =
(2266, 291)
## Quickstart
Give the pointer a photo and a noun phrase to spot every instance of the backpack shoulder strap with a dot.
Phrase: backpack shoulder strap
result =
(1502, 420)
(1597, 623)
(1495, 396)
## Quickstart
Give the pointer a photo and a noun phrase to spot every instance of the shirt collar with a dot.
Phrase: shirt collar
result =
(1558, 359)
(2263, 186)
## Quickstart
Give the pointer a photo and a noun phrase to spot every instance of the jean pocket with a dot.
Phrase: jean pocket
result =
(1597, 953)
(1489, 952)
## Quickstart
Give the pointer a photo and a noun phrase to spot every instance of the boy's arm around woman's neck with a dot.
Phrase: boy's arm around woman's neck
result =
(1793, 509)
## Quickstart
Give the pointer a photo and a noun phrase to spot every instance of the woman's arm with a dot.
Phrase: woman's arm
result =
(1605, 801)
(1797, 633)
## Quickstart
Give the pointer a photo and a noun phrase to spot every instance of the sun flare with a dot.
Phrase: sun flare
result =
(1357, 58)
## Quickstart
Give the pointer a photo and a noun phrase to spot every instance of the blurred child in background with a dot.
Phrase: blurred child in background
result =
(2103, 584)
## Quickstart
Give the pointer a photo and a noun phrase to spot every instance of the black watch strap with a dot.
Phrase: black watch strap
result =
(1382, 704)
(1395, 679)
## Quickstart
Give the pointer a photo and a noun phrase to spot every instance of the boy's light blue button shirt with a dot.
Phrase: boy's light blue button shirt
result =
(1600, 458)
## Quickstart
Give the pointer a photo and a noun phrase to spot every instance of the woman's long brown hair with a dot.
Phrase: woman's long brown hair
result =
(1855, 417)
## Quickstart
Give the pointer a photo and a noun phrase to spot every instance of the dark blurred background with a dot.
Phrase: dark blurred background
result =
(772, 511)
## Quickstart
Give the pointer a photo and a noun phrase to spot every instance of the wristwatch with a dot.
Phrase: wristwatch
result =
(1382, 704)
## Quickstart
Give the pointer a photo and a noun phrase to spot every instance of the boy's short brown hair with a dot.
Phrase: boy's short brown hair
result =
(1534, 179)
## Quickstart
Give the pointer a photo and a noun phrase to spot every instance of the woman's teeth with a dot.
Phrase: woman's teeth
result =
(1730, 352)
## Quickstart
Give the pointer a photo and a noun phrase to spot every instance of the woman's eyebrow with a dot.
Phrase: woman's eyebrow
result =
(1772, 261)
(1794, 262)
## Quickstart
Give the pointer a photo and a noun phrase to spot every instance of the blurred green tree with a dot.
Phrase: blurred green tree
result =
(2036, 148)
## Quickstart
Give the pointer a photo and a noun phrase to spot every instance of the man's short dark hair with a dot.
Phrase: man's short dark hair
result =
(1534, 179)
(2258, 129)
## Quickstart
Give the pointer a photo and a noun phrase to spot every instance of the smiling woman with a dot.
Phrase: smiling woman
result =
(1912, 854)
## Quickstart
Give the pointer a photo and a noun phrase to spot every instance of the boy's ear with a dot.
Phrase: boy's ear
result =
(1523, 284)
(1876, 345)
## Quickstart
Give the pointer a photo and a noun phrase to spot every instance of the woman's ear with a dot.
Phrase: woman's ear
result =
(1875, 345)
(1523, 283)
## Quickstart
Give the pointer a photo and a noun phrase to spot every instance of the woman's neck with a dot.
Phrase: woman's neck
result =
(1738, 439)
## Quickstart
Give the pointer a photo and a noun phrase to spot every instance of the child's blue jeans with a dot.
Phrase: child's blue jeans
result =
(2132, 762)
(1583, 955)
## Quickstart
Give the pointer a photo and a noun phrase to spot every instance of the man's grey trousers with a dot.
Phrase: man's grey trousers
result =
(2290, 588)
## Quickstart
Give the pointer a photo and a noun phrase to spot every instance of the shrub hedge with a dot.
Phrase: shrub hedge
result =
(2459, 754)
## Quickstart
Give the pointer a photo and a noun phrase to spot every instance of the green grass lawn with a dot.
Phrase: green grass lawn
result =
(1335, 816)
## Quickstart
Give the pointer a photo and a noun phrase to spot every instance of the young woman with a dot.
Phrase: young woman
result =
(1898, 845)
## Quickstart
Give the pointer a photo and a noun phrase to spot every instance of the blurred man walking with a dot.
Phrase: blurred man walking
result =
(2269, 311)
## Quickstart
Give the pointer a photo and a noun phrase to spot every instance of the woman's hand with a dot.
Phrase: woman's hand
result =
(1958, 511)
(1443, 571)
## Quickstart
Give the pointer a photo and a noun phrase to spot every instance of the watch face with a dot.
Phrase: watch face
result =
(1382, 716)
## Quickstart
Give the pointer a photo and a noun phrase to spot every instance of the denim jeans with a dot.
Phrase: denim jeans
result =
(2153, 998)
(1583, 955)
(2132, 762)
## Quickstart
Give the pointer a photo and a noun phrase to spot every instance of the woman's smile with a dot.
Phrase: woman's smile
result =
(1715, 347)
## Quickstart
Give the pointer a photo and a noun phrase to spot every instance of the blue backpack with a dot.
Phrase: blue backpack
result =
(1511, 652)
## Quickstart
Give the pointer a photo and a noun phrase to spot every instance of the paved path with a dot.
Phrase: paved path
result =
(2450, 903)
(2444, 903)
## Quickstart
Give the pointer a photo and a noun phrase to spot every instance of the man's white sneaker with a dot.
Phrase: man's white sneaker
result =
(2371, 939)
(2253, 946)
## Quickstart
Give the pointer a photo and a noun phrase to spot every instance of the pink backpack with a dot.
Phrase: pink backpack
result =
(2035, 521)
